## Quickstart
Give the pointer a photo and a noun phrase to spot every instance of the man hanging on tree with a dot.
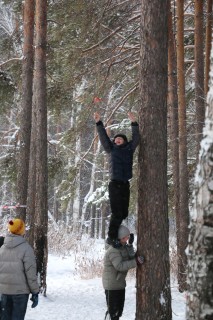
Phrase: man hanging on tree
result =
(120, 152)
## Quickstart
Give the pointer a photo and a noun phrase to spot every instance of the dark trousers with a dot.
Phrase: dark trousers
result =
(115, 303)
(119, 193)
(14, 306)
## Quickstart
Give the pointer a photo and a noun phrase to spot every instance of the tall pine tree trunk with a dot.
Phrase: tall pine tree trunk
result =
(173, 116)
(26, 107)
(41, 210)
(153, 277)
(32, 179)
(183, 171)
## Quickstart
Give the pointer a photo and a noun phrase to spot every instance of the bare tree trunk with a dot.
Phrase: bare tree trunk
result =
(103, 219)
(41, 210)
(56, 209)
(184, 218)
(199, 73)
(32, 180)
(92, 182)
(76, 200)
(200, 258)
(153, 278)
(97, 224)
(208, 44)
(92, 224)
(173, 116)
(26, 107)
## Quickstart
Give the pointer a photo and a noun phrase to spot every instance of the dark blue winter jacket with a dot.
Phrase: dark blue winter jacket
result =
(120, 157)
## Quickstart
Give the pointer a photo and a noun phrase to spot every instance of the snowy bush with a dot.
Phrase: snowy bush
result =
(88, 253)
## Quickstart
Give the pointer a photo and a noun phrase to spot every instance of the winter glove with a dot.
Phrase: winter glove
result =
(34, 299)
(131, 238)
(131, 251)
(139, 259)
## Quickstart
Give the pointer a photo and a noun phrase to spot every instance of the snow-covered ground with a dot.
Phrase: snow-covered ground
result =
(69, 297)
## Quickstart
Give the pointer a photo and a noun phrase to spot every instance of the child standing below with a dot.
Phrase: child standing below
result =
(120, 152)
(117, 262)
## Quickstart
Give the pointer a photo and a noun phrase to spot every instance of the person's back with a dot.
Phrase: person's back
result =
(14, 254)
(117, 262)
(121, 162)
(18, 276)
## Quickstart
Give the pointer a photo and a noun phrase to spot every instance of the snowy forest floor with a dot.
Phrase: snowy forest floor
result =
(76, 293)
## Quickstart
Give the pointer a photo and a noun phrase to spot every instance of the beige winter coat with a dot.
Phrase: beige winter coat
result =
(17, 266)
(117, 262)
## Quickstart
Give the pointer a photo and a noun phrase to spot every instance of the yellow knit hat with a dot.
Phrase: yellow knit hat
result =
(17, 226)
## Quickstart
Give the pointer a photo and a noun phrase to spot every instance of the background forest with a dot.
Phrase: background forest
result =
(89, 55)
(92, 51)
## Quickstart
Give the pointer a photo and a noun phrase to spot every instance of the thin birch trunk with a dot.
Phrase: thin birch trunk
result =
(183, 170)
(173, 116)
(92, 186)
(200, 258)
(76, 200)
(199, 73)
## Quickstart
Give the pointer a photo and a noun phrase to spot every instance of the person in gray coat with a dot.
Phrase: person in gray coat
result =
(18, 270)
(117, 261)
(120, 152)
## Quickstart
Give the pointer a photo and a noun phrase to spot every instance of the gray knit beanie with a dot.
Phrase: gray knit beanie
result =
(123, 232)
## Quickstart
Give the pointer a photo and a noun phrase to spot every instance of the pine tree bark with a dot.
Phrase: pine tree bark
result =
(31, 191)
(41, 210)
(200, 258)
(26, 108)
(153, 277)
(199, 73)
(173, 116)
(183, 170)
